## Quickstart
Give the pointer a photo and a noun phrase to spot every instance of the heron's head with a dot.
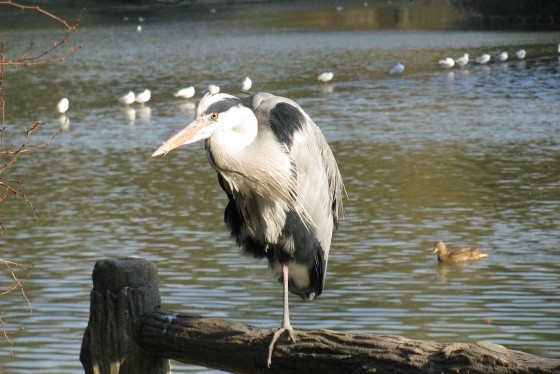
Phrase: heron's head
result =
(215, 113)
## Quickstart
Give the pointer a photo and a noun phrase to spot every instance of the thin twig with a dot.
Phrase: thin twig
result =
(9, 156)
(38, 58)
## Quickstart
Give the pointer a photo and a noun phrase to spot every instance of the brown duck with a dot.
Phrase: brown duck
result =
(457, 255)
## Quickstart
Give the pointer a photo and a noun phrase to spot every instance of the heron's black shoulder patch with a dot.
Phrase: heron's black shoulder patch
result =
(222, 105)
(285, 119)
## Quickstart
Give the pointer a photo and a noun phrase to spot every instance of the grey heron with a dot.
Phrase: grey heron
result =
(283, 185)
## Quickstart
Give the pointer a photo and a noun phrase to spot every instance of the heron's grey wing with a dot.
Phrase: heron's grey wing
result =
(319, 183)
(306, 145)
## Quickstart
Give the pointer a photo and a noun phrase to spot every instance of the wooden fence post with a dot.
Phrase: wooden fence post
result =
(123, 291)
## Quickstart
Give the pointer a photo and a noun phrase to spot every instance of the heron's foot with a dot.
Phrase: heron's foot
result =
(275, 337)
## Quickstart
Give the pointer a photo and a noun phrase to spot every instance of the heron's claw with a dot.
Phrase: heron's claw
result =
(275, 337)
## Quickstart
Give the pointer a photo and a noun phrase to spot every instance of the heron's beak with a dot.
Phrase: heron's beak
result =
(196, 130)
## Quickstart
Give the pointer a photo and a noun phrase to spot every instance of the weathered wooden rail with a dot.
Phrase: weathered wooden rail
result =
(128, 332)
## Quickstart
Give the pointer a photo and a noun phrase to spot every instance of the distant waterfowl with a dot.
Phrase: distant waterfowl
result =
(326, 76)
(127, 99)
(143, 97)
(139, 28)
(457, 255)
(463, 60)
(398, 68)
(246, 85)
(502, 56)
(558, 47)
(213, 89)
(185, 93)
(447, 63)
(63, 105)
(521, 54)
(483, 58)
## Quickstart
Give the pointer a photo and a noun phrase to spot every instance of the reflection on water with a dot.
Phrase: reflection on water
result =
(470, 156)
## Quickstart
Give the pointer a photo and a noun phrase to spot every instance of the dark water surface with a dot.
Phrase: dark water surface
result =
(470, 156)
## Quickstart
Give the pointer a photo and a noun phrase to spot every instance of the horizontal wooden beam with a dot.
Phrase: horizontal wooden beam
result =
(128, 333)
(239, 348)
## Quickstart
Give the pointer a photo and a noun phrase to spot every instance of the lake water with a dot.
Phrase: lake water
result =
(469, 156)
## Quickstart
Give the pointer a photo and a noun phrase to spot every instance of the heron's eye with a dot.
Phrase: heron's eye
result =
(214, 116)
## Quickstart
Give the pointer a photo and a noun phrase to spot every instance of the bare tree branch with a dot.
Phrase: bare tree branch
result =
(39, 59)
(11, 268)
(10, 155)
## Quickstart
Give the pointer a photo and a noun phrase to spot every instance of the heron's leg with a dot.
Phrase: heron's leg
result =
(286, 326)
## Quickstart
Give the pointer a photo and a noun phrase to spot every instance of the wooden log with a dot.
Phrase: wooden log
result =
(239, 348)
(128, 333)
(123, 291)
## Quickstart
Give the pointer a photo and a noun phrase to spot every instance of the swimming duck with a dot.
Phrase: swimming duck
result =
(457, 255)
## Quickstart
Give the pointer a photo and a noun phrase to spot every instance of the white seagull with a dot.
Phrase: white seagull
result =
(447, 62)
(185, 93)
(483, 58)
(463, 60)
(127, 99)
(398, 68)
(62, 105)
(326, 76)
(143, 97)
(502, 56)
(521, 54)
(213, 89)
(246, 85)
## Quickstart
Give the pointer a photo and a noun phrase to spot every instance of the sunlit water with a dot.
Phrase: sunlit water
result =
(469, 156)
